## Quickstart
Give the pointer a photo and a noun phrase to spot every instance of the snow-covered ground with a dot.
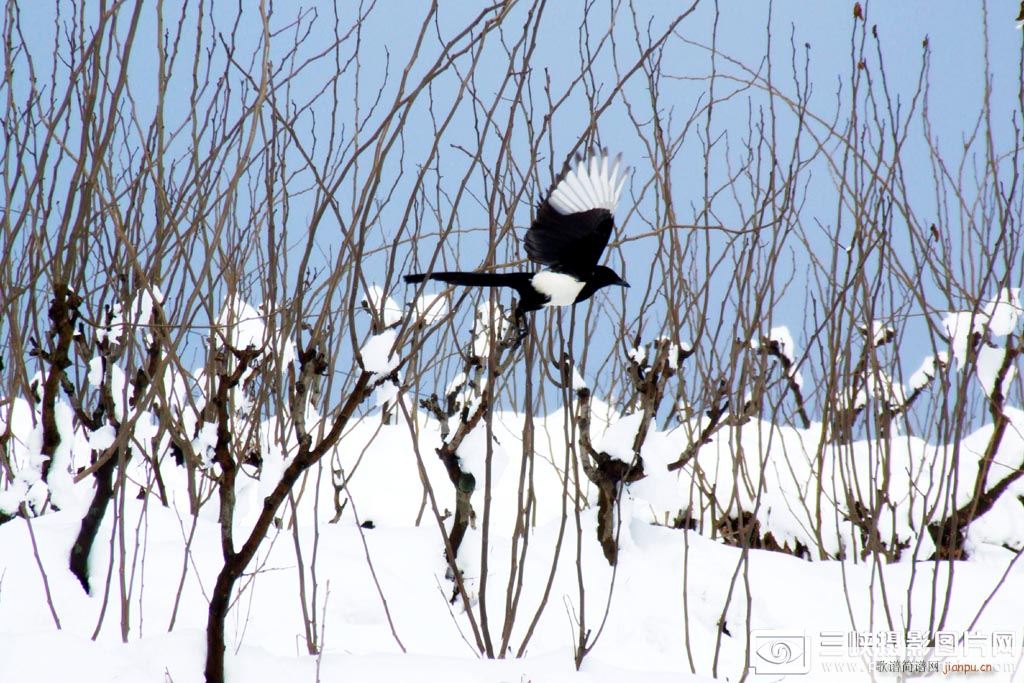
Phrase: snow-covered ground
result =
(356, 559)
(680, 601)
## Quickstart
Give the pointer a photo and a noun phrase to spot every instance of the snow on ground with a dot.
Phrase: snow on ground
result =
(644, 639)
(362, 531)
(669, 603)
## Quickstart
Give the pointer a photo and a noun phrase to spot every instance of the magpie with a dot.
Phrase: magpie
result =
(568, 236)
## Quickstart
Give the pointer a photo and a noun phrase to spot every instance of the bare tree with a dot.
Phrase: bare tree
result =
(207, 212)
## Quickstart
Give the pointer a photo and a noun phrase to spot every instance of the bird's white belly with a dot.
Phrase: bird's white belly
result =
(560, 288)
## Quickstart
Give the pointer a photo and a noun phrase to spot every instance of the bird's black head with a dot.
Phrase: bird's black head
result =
(604, 276)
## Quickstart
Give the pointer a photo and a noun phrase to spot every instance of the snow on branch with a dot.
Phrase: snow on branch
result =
(377, 354)
(382, 308)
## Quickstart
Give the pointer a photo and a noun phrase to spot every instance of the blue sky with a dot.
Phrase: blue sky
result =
(822, 32)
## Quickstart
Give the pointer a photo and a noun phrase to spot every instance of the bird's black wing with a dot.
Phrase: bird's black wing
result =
(571, 243)
(574, 223)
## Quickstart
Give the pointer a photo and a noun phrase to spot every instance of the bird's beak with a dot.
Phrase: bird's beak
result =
(622, 283)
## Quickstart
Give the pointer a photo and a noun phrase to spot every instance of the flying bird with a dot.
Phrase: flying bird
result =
(568, 236)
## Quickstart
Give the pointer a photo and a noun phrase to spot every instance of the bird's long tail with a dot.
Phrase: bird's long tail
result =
(518, 281)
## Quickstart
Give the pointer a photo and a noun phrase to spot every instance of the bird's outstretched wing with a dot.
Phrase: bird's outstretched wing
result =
(575, 222)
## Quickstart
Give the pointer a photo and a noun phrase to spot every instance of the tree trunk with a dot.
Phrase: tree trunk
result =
(236, 562)
(220, 601)
(80, 551)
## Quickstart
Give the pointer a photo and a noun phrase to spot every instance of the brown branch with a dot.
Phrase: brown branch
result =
(608, 473)
(63, 312)
(772, 348)
(949, 534)
(719, 406)
(236, 562)
(222, 449)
